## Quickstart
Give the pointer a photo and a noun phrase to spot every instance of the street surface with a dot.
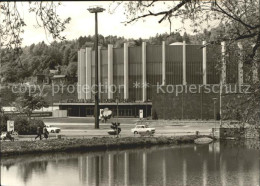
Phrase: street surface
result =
(84, 127)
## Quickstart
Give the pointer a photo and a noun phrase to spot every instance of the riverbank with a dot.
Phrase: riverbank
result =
(9, 148)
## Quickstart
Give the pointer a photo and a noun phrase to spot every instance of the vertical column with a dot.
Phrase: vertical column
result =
(82, 73)
(110, 71)
(144, 71)
(240, 65)
(223, 69)
(99, 71)
(163, 64)
(184, 80)
(126, 82)
(78, 85)
(204, 62)
(88, 72)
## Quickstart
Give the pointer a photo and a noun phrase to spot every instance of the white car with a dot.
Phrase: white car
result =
(140, 128)
(51, 129)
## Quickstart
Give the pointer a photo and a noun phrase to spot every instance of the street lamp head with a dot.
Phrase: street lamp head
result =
(95, 9)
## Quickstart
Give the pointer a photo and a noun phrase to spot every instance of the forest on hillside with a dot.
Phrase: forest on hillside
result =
(41, 58)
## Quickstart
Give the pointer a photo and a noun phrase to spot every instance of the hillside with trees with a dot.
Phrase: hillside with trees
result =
(41, 58)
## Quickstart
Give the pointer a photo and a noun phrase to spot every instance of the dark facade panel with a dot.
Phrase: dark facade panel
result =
(135, 73)
(232, 60)
(104, 73)
(153, 67)
(92, 72)
(213, 61)
(174, 65)
(194, 64)
(118, 72)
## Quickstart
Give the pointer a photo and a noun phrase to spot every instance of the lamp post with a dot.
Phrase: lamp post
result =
(96, 10)
(214, 106)
(214, 102)
(117, 116)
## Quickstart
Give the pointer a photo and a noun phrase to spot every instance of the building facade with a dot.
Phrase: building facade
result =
(131, 73)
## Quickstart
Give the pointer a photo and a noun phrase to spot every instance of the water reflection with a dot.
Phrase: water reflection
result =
(225, 163)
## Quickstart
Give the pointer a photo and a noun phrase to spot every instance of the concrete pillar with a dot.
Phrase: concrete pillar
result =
(82, 73)
(224, 68)
(126, 73)
(110, 71)
(240, 65)
(184, 79)
(144, 85)
(204, 63)
(78, 85)
(163, 64)
(99, 71)
(88, 72)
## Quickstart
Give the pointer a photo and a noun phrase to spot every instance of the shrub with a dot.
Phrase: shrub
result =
(25, 127)
(3, 122)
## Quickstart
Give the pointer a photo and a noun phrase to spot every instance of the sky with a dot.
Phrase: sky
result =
(82, 23)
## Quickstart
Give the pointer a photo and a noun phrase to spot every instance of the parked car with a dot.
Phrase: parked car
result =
(51, 129)
(140, 128)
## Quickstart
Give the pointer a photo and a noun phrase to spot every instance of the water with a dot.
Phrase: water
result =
(224, 163)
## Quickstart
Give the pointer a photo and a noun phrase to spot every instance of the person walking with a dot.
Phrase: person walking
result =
(39, 134)
(45, 132)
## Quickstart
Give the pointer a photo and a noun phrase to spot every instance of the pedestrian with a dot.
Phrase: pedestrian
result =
(39, 134)
(45, 132)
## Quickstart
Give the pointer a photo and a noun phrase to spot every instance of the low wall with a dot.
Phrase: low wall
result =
(238, 133)
(60, 113)
(185, 105)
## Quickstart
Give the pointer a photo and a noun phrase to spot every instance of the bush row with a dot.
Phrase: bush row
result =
(21, 124)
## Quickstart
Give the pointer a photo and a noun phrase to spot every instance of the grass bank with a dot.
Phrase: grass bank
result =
(9, 148)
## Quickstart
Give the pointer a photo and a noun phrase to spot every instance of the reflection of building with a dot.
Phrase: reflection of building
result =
(130, 73)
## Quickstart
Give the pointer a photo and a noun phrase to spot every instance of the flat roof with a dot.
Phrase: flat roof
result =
(137, 103)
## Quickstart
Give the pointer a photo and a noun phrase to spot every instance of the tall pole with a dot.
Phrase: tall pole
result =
(117, 117)
(96, 74)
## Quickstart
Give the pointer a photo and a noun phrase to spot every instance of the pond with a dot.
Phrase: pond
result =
(221, 163)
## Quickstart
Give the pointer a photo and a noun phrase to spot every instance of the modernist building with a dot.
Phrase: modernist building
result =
(130, 73)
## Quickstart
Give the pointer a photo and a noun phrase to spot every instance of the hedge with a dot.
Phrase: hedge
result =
(22, 125)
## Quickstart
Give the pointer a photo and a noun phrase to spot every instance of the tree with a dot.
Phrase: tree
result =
(13, 23)
(72, 69)
(28, 101)
(234, 21)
